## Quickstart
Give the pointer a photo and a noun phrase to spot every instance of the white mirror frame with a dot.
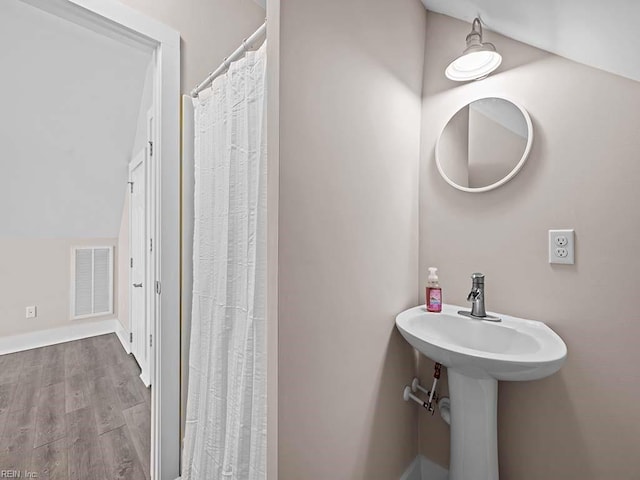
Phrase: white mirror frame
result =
(507, 177)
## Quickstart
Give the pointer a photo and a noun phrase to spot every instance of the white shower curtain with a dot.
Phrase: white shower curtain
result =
(225, 436)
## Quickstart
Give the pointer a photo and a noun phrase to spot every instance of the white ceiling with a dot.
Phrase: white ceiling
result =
(599, 33)
(70, 104)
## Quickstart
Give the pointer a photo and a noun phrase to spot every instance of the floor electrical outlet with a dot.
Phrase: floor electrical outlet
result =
(562, 246)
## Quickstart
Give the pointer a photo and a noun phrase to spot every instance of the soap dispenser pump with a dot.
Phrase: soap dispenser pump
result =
(433, 291)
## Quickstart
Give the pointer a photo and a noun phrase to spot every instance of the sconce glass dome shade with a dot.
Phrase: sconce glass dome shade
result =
(474, 64)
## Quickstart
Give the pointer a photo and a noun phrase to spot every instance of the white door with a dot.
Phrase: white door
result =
(138, 250)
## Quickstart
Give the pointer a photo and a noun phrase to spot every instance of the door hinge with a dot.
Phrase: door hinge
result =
(151, 244)
(150, 340)
(131, 262)
(150, 148)
(131, 186)
(158, 288)
(131, 337)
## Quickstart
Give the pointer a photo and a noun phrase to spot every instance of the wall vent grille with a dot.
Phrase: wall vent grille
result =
(91, 281)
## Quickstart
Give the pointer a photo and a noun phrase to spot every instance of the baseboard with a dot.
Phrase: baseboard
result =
(123, 336)
(52, 336)
(414, 470)
(145, 380)
(423, 469)
(432, 471)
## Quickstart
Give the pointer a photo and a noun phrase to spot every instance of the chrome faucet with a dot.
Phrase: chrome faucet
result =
(476, 297)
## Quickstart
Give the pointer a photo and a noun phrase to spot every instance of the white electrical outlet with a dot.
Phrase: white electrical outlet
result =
(562, 246)
(31, 312)
(561, 240)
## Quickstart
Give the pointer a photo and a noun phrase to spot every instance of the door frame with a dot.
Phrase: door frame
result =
(153, 264)
(123, 23)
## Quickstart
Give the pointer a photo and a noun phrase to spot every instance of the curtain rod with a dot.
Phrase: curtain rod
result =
(246, 45)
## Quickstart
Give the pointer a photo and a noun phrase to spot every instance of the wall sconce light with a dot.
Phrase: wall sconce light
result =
(477, 61)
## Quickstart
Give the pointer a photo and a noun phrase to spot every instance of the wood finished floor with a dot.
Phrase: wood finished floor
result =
(75, 411)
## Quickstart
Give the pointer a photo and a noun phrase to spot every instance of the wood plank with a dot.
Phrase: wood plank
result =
(31, 374)
(129, 364)
(50, 418)
(16, 441)
(146, 393)
(53, 373)
(98, 341)
(98, 347)
(81, 356)
(138, 420)
(50, 461)
(3, 421)
(53, 368)
(105, 349)
(90, 356)
(16, 464)
(26, 394)
(116, 347)
(53, 353)
(6, 396)
(126, 386)
(76, 394)
(107, 408)
(73, 364)
(34, 357)
(84, 453)
(11, 367)
(102, 371)
(119, 455)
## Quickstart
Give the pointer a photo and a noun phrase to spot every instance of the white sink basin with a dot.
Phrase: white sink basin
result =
(513, 349)
(478, 353)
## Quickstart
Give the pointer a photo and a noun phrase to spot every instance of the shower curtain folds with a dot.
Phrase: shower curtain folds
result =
(225, 433)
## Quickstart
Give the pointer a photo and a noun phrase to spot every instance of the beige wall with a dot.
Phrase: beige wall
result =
(37, 271)
(583, 173)
(210, 30)
(350, 88)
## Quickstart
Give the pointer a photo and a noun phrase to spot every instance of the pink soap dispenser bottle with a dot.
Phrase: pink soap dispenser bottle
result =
(434, 292)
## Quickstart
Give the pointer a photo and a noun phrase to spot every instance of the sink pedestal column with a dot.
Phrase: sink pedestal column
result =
(474, 427)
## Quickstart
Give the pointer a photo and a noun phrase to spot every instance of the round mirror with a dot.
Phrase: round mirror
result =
(484, 144)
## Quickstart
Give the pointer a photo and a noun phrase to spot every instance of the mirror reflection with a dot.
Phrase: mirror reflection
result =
(484, 144)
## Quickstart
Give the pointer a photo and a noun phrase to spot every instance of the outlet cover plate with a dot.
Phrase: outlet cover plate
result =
(31, 312)
(562, 246)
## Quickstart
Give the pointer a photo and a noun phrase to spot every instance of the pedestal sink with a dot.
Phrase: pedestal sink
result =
(477, 354)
